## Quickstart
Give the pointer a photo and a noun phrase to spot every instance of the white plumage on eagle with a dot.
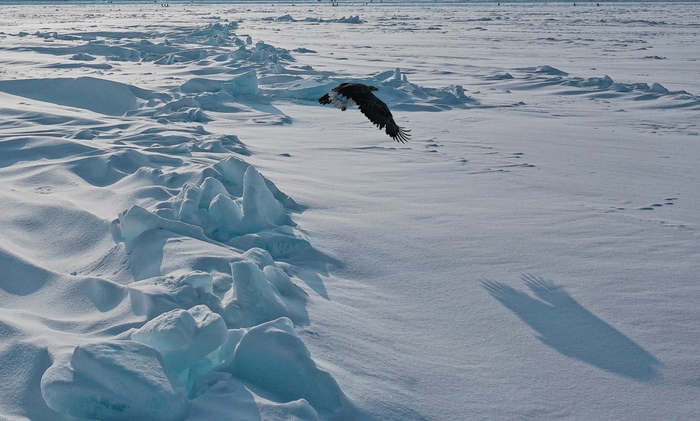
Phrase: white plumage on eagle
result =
(351, 93)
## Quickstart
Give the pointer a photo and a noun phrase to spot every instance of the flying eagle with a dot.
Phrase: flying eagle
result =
(349, 93)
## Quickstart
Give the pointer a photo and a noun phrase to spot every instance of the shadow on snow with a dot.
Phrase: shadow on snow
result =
(569, 328)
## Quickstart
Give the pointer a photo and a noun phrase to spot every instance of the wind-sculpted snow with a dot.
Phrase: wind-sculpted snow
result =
(183, 244)
(597, 87)
(185, 287)
(152, 269)
(245, 77)
(98, 95)
(182, 278)
(289, 18)
(115, 380)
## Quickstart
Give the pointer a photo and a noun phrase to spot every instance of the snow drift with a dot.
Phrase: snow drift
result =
(146, 251)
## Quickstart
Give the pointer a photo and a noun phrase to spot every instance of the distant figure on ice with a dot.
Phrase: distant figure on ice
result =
(349, 93)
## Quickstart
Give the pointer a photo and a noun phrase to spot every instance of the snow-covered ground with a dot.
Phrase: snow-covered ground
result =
(187, 234)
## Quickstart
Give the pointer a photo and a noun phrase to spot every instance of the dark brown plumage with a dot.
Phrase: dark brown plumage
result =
(350, 93)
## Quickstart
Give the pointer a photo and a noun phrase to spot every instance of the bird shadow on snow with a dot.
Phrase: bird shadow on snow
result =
(569, 328)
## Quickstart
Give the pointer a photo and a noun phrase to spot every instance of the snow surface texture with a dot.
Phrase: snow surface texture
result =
(533, 253)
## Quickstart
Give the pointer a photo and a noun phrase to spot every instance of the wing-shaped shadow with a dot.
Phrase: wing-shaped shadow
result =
(565, 325)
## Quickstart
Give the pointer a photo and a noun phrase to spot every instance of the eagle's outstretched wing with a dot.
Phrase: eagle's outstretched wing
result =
(371, 106)
(378, 113)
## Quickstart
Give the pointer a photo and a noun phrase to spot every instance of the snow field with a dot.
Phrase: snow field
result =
(182, 220)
